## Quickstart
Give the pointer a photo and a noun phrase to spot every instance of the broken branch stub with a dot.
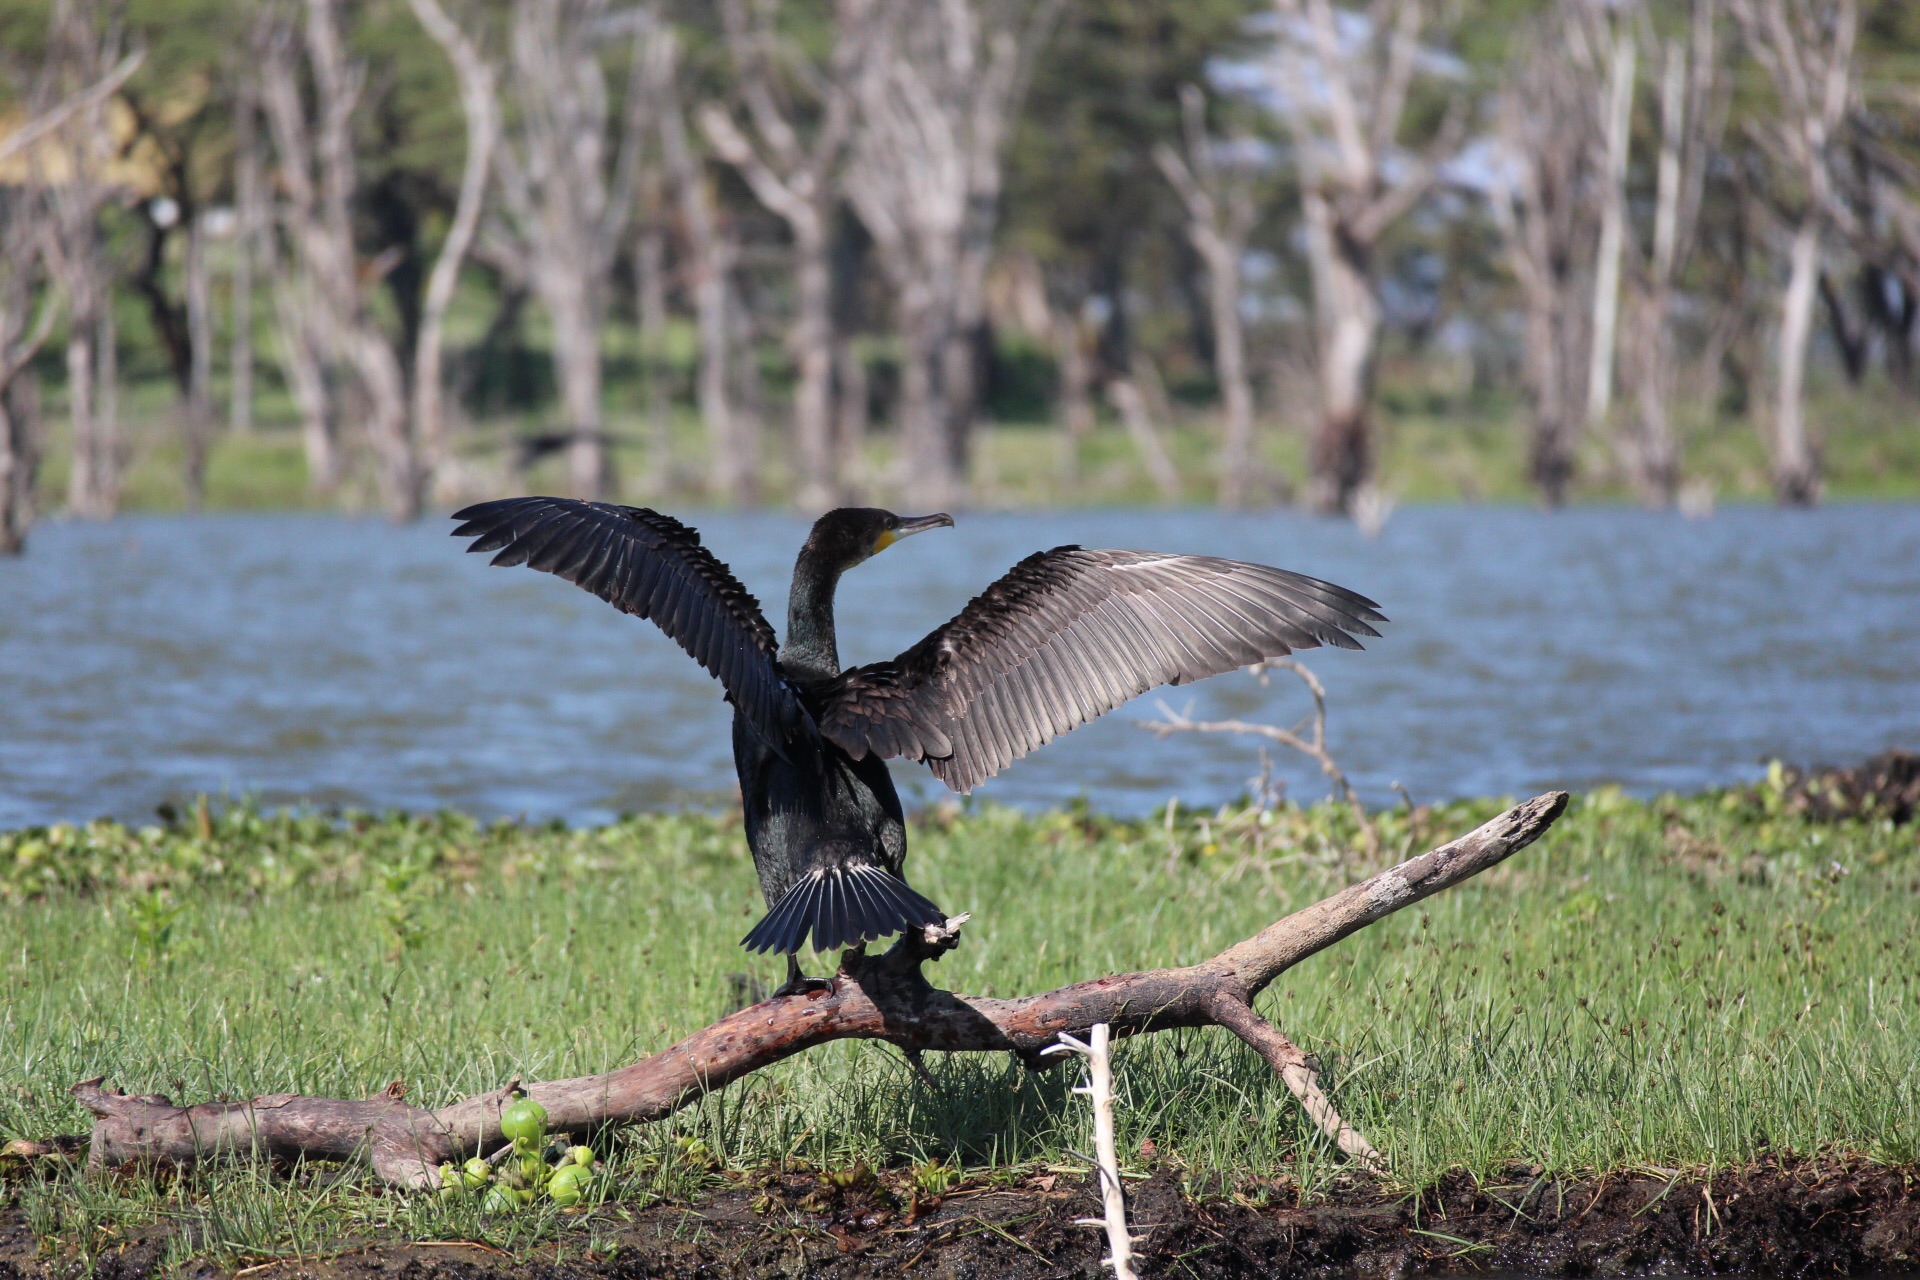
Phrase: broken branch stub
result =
(884, 997)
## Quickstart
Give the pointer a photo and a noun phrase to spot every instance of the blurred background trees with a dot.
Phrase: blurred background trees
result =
(933, 252)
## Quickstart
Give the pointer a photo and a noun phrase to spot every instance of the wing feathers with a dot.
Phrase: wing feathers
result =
(1067, 635)
(652, 566)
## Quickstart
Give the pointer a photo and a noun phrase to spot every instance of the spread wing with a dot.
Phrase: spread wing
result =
(652, 566)
(1068, 635)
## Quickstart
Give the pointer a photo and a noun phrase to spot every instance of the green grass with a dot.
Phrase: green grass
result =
(1438, 441)
(1681, 982)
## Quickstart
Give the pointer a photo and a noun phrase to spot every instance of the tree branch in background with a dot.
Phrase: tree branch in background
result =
(712, 250)
(796, 175)
(326, 315)
(46, 121)
(937, 97)
(1220, 216)
(84, 48)
(1544, 202)
(1692, 118)
(1343, 101)
(29, 302)
(568, 174)
(882, 997)
(1313, 745)
(1806, 48)
(480, 106)
(1129, 401)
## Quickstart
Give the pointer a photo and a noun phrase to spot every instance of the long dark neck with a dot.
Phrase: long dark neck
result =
(810, 652)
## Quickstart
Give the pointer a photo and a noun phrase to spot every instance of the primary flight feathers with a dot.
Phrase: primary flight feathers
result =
(1065, 636)
(650, 565)
(1068, 635)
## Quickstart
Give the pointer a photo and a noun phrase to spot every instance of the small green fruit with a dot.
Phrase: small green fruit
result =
(582, 1156)
(569, 1184)
(525, 1120)
(500, 1199)
(476, 1173)
(534, 1170)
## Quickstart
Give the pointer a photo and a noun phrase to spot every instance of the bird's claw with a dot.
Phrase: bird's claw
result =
(797, 984)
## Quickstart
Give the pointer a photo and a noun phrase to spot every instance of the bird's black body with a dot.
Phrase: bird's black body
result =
(822, 820)
(1065, 636)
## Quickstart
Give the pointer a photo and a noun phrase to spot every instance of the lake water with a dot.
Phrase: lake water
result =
(344, 662)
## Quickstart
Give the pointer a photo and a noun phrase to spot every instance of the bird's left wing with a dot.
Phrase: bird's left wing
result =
(1068, 635)
(652, 566)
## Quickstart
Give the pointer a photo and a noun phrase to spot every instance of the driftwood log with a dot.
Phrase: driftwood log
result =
(882, 997)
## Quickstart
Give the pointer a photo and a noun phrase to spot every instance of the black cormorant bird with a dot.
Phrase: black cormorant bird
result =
(1065, 636)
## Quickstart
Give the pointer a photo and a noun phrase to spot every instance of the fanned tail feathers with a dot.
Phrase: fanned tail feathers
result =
(841, 907)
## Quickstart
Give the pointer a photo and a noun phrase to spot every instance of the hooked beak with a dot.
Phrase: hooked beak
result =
(910, 526)
(920, 524)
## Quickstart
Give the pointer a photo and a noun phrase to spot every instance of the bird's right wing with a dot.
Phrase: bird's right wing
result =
(1068, 635)
(652, 566)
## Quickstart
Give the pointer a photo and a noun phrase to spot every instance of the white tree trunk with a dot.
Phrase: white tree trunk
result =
(811, 341)
(1613, 218)
(650, 286)
(1131, 405)
(249, 208)
(93, 486)
(1349, 328)
(19, 458)
(577, 367)
(305, 371)
(850, 418)
(1795, 476)
(480, 106)
(197, 428)
(1236, 389)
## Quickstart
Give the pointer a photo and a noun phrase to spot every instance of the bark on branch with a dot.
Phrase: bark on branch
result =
(883, 997)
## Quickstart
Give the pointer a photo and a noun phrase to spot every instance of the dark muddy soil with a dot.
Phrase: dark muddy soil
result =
(1777, 1220)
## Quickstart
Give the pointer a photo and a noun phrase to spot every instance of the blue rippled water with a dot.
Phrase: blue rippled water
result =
(339, 661)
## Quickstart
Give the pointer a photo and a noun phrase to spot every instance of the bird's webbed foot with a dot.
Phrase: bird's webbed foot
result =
(798, 982)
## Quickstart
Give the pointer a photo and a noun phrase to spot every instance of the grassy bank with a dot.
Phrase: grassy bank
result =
(1433, 446)
(1679, 983)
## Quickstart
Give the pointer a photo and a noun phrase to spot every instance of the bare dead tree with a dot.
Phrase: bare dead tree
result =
(1616, 118)
(568, 170)
(480, 106)
(1545, 200)
(1125, 393)
(249, 225)
(84, 46)
(712, 253)
(1806, 48)
(309, 90)
(1217, 193)
(28, 307)
(937, 98)
(1343, 99)
(1692, 116)
(799, 126)
(650, 304)
(29, 247)
(885, 997)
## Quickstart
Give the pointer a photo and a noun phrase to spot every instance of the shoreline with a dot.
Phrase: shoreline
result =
(1779, 1219)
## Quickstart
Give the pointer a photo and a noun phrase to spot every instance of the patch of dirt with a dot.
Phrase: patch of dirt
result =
(1887, 786)
(1780, 1220)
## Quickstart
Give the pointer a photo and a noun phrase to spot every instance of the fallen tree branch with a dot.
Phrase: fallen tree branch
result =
(883, 997)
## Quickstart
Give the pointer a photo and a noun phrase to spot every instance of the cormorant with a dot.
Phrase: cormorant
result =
(1065, 636)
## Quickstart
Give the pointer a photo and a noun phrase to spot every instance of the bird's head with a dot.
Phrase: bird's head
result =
(844, 537)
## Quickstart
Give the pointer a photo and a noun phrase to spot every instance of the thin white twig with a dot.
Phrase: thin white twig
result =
(1099, 1089)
